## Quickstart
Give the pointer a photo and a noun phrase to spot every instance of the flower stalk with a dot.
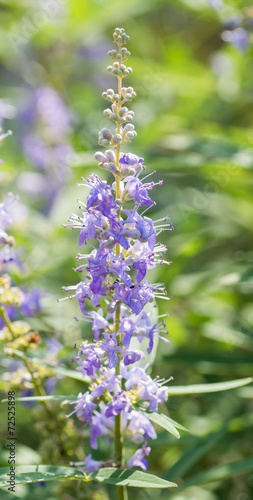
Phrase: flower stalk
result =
(124, 248)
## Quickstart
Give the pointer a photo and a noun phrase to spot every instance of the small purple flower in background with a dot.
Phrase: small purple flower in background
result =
(31, 303)
(237, 29)
(238, 37)
(216, 4)
(45, 142)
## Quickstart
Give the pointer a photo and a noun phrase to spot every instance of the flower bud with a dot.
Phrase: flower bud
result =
(111, 167)
(110, 155)
(100, 157)
(111, 308)
(110, 243)
(106, 133)
(117, 139)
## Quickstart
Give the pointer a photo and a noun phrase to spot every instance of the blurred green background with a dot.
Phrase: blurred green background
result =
(194, 113)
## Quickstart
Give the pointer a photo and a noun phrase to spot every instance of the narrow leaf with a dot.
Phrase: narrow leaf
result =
(164, 422)
(177, 425)
(193, 454)
(128, 477)
(43, 398)
(220, 472)
(35, 473)
(204, 388)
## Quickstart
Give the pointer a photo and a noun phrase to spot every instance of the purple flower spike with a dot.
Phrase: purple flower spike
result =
(123, 248)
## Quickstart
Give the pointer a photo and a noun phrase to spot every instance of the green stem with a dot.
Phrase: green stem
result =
(119, 456)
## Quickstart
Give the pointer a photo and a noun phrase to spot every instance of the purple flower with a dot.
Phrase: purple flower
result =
(89, 359)
(31, 302)
(101, 426)
(138, 459)
(92, 222)
(119, 267)
(127, 327)
(98, 323)
(140, 427)
(50, 384)
(5, 217)
(110, 345)
(148, 389)
(238, 37)
(108, 381)
(131, 357)
(117, 233)
(130, 159)
(136, 296)
(98, 270)
(92, 465)
(27, 393)
(84, 407)
(135, 190)
(120, 402)
(51, 110)
(100, 197)
(144, 225)
(83, 292)
(216, 4)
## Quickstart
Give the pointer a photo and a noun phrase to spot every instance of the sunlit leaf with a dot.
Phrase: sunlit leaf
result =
(165, 422)
(54, 397)
(128, 477)
(35, 473)
(205, 388)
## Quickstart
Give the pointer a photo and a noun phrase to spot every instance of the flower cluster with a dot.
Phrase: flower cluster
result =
(11, 297)
(15, 302)
(46, 129)
(237, 28)
(124, 247)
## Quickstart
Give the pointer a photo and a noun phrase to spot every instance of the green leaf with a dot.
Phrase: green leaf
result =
(43, 398)
(193, 454)
(220, 472)
(177, 425)
(164, 421)
(204, 388)
(128, 477)
(35, 473)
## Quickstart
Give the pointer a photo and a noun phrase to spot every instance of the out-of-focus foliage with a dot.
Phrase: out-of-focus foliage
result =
(194, 121)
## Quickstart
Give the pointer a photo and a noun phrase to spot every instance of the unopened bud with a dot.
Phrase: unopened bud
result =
(99, 157)
(110, 155)
(106, 133)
